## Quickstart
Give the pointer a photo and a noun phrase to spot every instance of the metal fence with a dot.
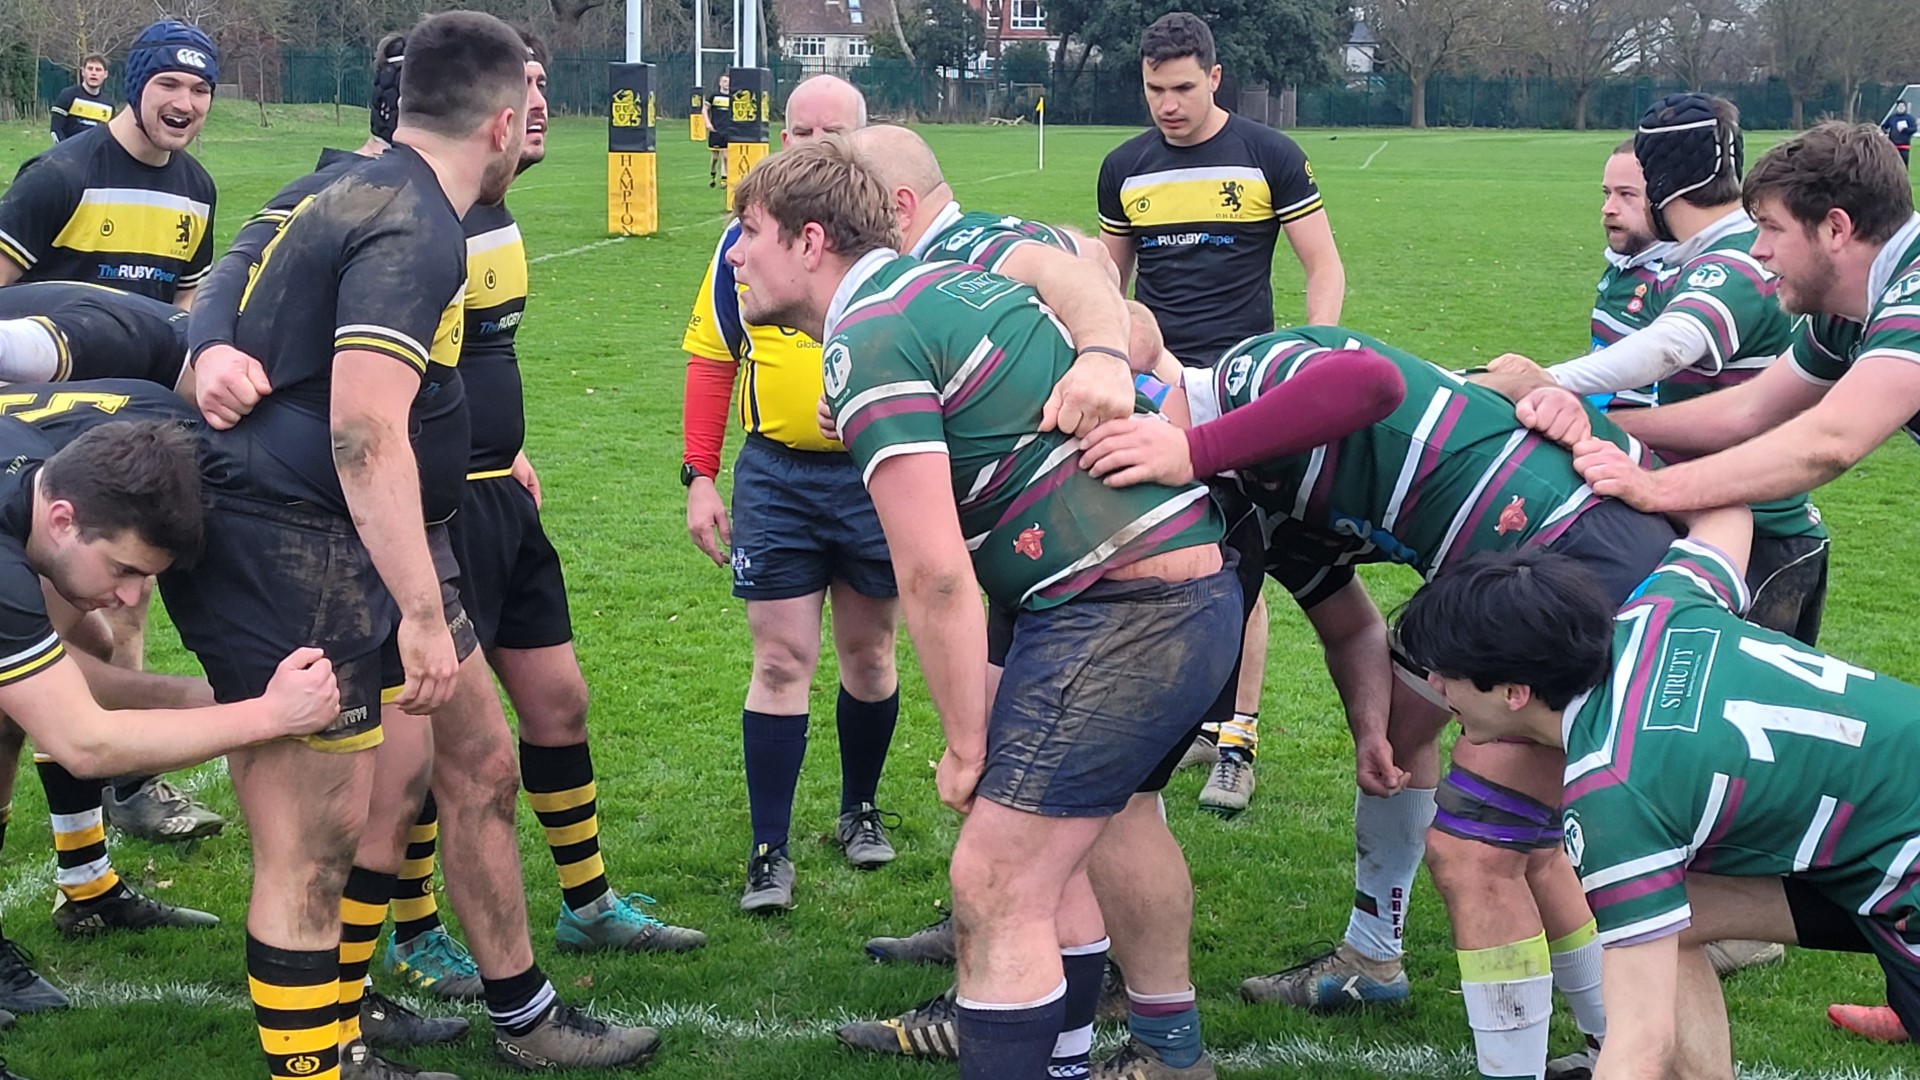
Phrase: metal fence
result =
(897, 89)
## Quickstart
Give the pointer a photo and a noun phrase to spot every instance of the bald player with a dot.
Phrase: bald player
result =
(802, 528)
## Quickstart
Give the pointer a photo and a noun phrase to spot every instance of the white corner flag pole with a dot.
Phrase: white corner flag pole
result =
(1043, 132)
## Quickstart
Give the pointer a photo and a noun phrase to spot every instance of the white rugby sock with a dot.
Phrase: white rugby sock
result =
(1509, 997)
(28, 351)
(1576, 974)
(1391, 837)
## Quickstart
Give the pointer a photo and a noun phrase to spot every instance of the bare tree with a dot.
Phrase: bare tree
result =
(1587, 40)
(1423, 37)
(1866, 42)
(567, 15)
(1801, 31)
(1696, 39)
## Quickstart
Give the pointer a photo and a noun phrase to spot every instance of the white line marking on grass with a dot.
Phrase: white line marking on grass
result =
(1378, 1059)
(598, 244)
(35, 882)
(991, 179)
(1375, 154)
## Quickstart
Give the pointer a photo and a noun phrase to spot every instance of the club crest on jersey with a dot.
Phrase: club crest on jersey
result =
(1238, 369)
(1902, 289)
(1028, 542)
(1513, 518)
(1576, 838)
(1711, 276)
(836, 366)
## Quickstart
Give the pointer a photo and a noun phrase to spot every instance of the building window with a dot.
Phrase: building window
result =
(807, 47)
(859, 47)
(1029, 15)
(855, 16)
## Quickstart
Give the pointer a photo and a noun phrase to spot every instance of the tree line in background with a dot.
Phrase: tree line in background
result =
(1808, 45)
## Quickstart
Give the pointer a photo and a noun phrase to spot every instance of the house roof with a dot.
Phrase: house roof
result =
(1362, 35)
(855, 18)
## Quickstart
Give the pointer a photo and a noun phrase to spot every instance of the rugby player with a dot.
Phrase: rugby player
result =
(473, 744)
(1625, 300)
(786, 556)
(718, 110)
(124, 204)
(1717, 324)
(1368, 454)
(1722, 780)
(81, 106)
(92, 516)
(1040, 781)
(1196, 206)
(66, 331)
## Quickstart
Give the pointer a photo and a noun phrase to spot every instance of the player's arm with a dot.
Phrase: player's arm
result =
(1727, 417)
(1311, 238)
(1640, 986)
(1872, 402)
(88, 640)
(32, 213)
(57, 117)
(913, 495)
(1663, 348)
(707, 408)
(1099, 386)
(1353, 637)
(58, 711)
(1728, 530)
(1116, 229)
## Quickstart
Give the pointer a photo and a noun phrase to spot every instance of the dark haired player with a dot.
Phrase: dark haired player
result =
(1196, 206)
(1721, 779)
(82, 106)
(124, 204)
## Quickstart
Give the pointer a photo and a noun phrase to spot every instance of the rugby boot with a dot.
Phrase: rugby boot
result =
(1202, 751)
(1876, 1022)
(1136, 1060)
(928, 1030)
(8, 1074)
(389, 1025)
(1578, 1065)
(769, 882)
(359, 1062)
(1229, 787)
(621, 924)
(930, 945)
(437, 964)
(862, 834)
(160, 812)
(22, 990)
(7, 1020)
(1114, 1003)
(1338, 979)
(1728, 957)
(566, 1038)
(123, 909)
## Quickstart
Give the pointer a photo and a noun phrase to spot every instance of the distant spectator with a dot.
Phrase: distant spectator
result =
(1899, 127)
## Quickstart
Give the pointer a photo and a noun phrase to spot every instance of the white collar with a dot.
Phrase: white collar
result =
(941, 223)
(1203, 403)
(1891, 258)
(1651, 254)
(1687, 250)
(857, 275)
(1572, 711)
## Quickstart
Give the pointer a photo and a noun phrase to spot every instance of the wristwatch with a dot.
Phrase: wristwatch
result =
(688, 472)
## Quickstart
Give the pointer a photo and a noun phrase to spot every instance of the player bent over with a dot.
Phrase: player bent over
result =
(1371, 454)
(815, 253)
(1722, 780)
(95, 518)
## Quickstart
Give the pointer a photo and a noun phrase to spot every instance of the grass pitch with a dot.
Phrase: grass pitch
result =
(1458, 246)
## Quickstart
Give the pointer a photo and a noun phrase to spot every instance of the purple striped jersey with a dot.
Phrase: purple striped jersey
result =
(1718, 747)
(1716, 283)
(1448, 473)
(985, 240)
(943, 358)
(1825, 347)
(1624, 301)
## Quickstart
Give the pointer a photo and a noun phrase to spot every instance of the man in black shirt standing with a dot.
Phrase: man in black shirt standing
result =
(1900, 126)
(82, 105)
(719, 110)
(1196, 207)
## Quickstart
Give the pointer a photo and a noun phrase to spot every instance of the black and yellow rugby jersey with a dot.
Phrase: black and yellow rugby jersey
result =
(86, 210)
(374, 261)
(496, 299)
(75, 111)
(28, 644)
(103, 333)
(1203, 220)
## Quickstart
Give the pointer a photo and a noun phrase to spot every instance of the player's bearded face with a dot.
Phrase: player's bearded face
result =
(1623, 213)
(1792, 251)
(533, 148)
(173, 108)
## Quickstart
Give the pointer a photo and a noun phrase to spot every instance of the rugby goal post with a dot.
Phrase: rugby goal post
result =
(1910, 94)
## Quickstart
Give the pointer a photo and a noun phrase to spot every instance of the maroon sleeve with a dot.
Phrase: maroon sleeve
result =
(1337, 394)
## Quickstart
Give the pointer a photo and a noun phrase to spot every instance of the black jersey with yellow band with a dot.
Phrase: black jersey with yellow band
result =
(495, 302)
(103, 333)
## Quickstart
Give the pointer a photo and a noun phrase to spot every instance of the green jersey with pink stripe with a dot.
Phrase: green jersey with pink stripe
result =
(984, 240)
(1715, 282)
(944, 358)
(1718, 747)
(1449, 472)
(1827, 346)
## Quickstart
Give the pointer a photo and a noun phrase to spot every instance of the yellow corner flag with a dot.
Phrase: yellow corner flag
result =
(1041, 110)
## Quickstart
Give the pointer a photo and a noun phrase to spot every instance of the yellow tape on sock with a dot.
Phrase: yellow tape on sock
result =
(1527, 959)
(1579, 939)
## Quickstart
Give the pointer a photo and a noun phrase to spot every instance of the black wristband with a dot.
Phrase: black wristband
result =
(1105, 350)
